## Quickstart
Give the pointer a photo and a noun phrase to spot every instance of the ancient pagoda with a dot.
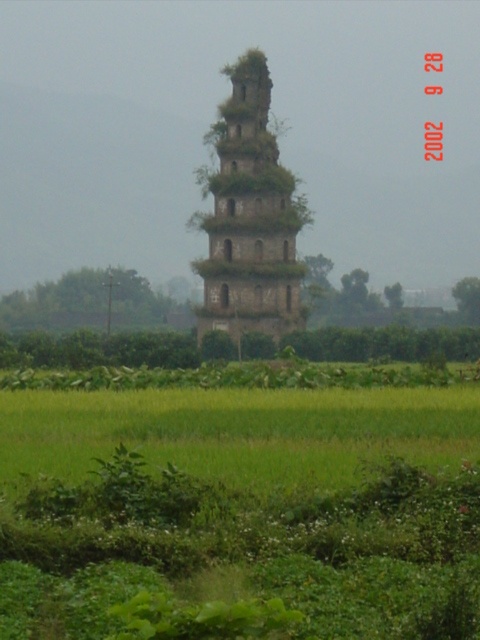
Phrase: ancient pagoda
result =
(252, 278)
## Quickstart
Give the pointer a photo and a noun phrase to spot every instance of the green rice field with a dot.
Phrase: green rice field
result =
(256, 438)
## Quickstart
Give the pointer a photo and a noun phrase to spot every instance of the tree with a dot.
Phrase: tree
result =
(467, 294)
(317, 291)
(394, 296)
(354, 301)
(9, 356)
(319, 268)
(354, 292)
(15, 311)
(80, 298)
(84, 290)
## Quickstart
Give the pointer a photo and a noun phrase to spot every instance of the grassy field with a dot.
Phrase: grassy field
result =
(255, 438)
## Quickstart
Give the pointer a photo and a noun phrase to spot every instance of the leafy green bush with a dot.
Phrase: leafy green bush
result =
(396, 482)
(50, 499)
(86, 596)
(257, 346)
(22, 590)
(157, 616)
(376, 597)
(9, 356)
(58, 549)
(169, 350)
(453, 616)
(218, 345)
(41, 348)
(84, 349)
(124, 495)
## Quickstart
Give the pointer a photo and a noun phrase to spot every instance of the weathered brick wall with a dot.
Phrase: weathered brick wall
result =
(245, 249)
(250, 206)
(244, 295)
(253, 91)
(245, 165)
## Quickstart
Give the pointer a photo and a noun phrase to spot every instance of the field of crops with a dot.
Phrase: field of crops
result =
(315, 495)
(244, 437)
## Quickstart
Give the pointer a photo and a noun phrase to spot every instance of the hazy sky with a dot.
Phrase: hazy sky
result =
(348, 75)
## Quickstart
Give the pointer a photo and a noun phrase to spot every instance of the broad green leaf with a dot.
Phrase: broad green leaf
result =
(212, 610)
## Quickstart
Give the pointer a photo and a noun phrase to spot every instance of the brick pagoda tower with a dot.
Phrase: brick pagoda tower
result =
(252, 278)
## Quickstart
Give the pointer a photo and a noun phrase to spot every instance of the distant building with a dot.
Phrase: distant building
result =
(251, 278)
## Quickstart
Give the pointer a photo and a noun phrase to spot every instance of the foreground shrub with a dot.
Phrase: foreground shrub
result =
(158, 616)
(22, 590)
(61, 550)
(124, 495)
(453, 616)
(376, 597)
(85, 597)
(395, 482)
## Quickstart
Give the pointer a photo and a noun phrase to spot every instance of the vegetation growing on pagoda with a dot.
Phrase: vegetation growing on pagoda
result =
(213, 268)
(252, 62)
(264, 145)
(273, 179)
(293, 219)
(233, 110)
(270, 179)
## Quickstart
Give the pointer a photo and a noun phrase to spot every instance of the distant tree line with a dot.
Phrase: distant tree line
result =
(354, 306)
(81, 299)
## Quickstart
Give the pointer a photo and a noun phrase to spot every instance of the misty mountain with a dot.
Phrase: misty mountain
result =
(91, 180)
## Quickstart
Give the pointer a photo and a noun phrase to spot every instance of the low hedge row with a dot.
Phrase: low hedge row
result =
(85, 348)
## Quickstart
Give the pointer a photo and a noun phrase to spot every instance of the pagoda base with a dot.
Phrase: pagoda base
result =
(275, 326)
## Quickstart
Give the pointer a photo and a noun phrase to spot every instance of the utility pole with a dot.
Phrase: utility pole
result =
(110, 284)
(239, 333)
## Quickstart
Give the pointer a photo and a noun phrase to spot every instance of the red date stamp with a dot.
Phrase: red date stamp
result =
(433, 131)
